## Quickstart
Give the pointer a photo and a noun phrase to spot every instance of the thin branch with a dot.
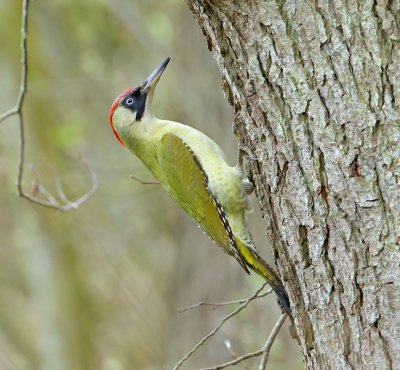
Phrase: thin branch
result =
(60, 191)
(248, 300)
(84, 198)
(37, 185)
(51, 201)
(22, 89)
(145, 182)
(21, 95)
(264, 351)
(271, 339)
(234, 362)
(8, 113)
(215, 305)
(233, 353)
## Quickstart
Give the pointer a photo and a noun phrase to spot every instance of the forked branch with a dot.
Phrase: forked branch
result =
(198, 345)
(215, 305)
(51, 201)
(264, 351)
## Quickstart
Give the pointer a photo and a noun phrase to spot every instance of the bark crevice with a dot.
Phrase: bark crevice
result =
(317, 88)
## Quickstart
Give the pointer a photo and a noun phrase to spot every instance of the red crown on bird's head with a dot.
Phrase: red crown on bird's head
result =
(112, 110)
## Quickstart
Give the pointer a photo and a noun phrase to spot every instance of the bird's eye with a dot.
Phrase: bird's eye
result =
(129, 101)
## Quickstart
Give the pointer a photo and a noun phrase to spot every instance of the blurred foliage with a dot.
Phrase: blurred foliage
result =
(100, 287)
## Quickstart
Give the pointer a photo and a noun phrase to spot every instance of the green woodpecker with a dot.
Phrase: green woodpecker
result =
(196, 174)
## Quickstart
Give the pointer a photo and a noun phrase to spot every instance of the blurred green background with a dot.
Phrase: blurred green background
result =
(100, 287)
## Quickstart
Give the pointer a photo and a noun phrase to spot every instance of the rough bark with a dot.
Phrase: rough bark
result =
(317, 87)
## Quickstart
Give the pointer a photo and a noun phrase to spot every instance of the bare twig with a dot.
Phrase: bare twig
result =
(271, 339)
(51, 201)
(59, 188)
(234, 362)
(233, 353)
(248, 300)
(21, 95)
(22, 90)
(37, 184)
(145, 182)
(264, 351)
(215, 305)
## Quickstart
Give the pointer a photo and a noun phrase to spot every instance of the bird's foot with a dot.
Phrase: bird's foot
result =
(235, 128)
(248, 152)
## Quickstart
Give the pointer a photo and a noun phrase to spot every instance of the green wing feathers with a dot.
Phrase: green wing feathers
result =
(187, 184)
(184, 178)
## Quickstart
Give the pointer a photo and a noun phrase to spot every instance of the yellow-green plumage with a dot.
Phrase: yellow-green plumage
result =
(196, 174)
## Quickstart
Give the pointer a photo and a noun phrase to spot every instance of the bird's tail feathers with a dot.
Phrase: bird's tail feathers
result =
(268, 273)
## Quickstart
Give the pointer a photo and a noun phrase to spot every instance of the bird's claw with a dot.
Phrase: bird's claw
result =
(248, 152)
(235, 125)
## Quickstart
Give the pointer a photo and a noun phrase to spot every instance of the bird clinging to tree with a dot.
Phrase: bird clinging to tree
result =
(196, 174)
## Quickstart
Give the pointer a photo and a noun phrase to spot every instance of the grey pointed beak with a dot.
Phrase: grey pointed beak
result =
(155, 76)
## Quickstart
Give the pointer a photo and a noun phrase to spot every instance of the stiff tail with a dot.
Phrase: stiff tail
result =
(268, 273)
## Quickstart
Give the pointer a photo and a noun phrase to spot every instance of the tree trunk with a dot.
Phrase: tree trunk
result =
(317, 87)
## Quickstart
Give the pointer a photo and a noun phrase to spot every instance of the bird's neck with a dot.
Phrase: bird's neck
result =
(142, 137)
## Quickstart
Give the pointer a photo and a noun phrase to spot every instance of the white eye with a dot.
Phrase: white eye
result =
(129, 101)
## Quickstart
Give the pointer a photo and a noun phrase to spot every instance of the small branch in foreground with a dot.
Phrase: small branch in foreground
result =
(51, 201)
(145, 182)
(215, 305)
(264, 351)
(271, 339)
(233, 353)
(198, 345)
(234, 362)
